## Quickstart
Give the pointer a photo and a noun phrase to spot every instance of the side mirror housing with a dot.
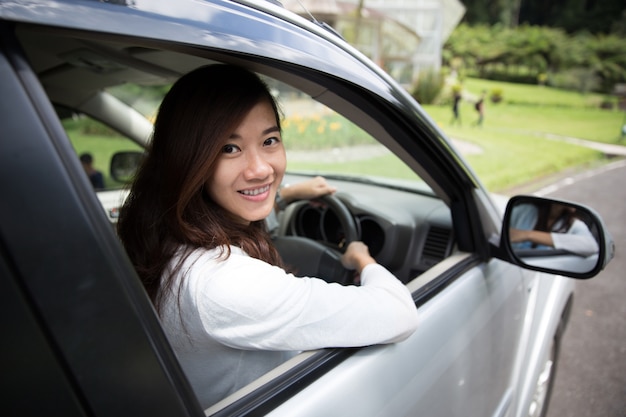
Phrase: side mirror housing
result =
(124, 165)
(554, 236)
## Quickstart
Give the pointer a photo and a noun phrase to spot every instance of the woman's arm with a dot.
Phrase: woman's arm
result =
(248, 304)
(578, 240)
(534, 236)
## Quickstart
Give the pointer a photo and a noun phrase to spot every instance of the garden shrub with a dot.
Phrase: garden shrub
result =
(428, 86)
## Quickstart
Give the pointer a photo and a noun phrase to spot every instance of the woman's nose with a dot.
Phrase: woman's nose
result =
(257, 166)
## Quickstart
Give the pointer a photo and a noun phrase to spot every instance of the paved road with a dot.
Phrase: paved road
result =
(591, 377)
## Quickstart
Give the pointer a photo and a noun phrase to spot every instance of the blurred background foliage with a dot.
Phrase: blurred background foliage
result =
(537, 55)
(593, 16)
(575, 45)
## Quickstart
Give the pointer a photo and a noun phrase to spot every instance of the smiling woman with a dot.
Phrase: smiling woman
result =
(193, 226)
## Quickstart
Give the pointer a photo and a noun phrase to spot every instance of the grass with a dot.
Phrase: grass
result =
(513, 137)
(535, 95)
(536, 110)
(508, 160)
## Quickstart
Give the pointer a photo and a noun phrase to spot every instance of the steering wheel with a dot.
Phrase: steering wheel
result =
(345, 218)
(314, 259)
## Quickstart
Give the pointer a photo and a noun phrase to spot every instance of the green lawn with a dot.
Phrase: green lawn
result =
(513, 136)
(535, 110)
(534, 95)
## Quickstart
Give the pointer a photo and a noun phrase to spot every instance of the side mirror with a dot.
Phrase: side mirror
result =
(124, 165)
(554, 236)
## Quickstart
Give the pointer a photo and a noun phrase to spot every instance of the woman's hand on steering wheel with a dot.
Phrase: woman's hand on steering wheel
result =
(315, 187)
(357, 256)
(313, 258)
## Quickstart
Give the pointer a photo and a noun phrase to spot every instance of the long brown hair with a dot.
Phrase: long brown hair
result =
(564, 219)
(167, 209)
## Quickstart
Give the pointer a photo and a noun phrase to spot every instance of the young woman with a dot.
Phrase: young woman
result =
(193, 226)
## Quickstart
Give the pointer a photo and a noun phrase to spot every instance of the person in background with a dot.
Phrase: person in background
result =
(480, 108)
(194, 228)
(95, 177)
(456, 102)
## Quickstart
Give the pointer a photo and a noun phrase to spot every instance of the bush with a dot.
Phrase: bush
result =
(530, 78)
(496, 95)
(582, 61)
(428, 86)
(88, 126)
(582, 80)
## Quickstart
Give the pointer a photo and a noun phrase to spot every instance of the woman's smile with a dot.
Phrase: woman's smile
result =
(256, 194)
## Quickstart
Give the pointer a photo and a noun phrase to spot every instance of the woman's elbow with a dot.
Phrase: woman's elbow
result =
(406, 323)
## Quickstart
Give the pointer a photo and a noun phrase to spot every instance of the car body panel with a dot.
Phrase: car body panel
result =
(457, 352)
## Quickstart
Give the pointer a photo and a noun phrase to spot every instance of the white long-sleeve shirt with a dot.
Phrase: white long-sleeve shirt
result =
(238, 318)
(578, 240)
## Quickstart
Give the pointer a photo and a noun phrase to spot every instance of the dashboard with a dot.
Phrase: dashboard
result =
(406, 230)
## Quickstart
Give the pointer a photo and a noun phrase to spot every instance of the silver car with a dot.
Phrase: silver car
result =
(81, 335)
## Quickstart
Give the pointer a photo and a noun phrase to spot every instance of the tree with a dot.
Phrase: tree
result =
(582, 61)
(594, 16)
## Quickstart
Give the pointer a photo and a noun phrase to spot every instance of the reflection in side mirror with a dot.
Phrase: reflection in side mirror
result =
(556, 236)
(124, 165)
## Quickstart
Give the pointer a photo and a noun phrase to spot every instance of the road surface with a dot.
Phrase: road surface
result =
(591, 374)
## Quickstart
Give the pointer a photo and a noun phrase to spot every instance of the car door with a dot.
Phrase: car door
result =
(459, 362)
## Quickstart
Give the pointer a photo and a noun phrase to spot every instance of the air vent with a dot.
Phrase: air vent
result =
(437, 244)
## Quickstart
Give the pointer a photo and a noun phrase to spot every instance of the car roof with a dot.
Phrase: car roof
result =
(325, 51)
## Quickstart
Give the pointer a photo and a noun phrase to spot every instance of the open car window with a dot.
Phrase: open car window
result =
(318, 141)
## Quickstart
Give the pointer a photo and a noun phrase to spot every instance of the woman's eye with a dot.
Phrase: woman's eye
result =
(271, 141)
(230, 149)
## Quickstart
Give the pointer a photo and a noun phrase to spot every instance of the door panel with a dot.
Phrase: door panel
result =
(458, 362)
(83, 296)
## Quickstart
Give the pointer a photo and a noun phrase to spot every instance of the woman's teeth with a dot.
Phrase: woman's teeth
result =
(255, 191)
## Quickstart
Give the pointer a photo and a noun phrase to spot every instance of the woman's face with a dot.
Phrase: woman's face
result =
(251, 166)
